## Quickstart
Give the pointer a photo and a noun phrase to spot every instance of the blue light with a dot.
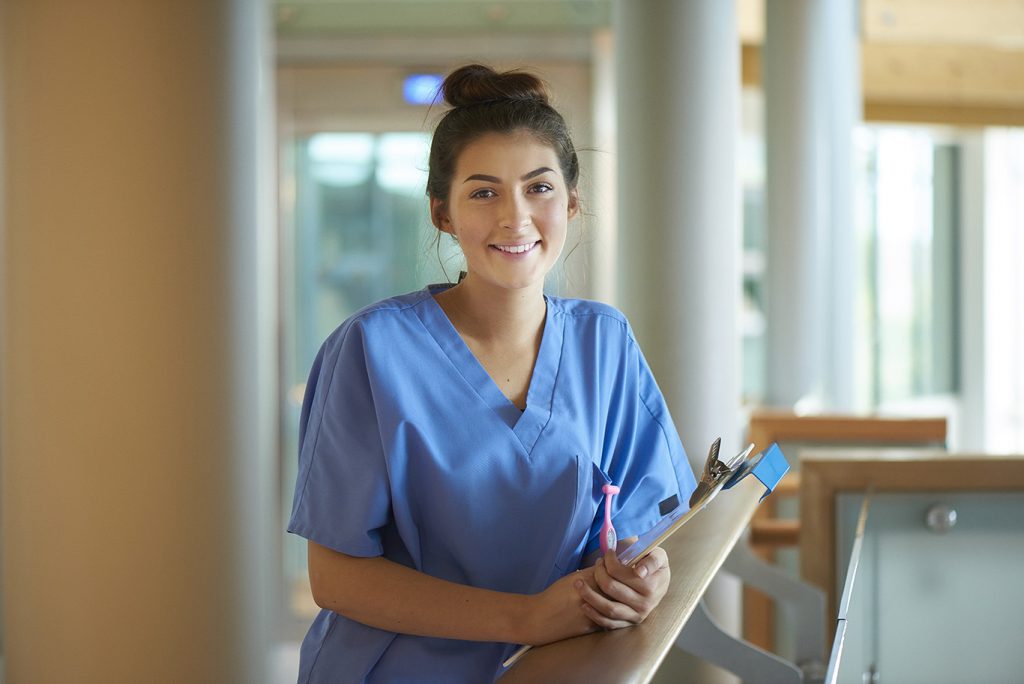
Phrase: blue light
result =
(422, 89)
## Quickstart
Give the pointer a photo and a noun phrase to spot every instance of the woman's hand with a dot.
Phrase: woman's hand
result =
(558, 611)
(619, 595)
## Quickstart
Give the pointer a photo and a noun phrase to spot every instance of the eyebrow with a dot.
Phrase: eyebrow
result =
(495, 179)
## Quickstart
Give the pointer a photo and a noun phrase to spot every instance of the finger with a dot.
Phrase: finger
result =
(641, 585)
(610, 611)
(602, 622)
(656, 561)
(615, 568)
(615, 589)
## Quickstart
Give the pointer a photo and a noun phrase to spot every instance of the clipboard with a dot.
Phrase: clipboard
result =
(769, 467)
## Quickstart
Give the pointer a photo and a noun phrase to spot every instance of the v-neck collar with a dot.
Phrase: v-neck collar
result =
(528, 424)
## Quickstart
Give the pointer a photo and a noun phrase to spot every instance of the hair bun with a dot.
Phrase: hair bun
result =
(476, 84)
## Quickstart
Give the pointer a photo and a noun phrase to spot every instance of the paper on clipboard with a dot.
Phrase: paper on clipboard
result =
(768, 467)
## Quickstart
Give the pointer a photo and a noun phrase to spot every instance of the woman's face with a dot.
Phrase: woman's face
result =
(509, 208)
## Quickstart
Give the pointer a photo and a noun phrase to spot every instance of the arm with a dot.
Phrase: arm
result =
(387, 595)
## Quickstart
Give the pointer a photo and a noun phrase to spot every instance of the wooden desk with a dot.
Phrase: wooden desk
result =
(632, 655)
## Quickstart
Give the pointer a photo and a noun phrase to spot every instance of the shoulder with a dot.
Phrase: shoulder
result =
(385, 313)
(587, 317)
(381, 320)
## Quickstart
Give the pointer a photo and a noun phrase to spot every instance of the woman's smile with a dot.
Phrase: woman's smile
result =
(517, 250)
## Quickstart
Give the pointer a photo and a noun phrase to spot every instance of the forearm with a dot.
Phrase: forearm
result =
(390, 596)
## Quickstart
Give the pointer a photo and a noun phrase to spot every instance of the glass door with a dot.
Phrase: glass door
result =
(361, 232)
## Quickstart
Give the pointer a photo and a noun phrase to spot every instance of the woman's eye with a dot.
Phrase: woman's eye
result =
(541, 187)
(482, 193)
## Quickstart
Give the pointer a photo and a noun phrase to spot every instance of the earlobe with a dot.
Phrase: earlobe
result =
(574, 203)
(439, 215)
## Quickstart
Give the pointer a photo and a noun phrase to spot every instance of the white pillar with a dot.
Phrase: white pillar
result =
(601, 227)
(678, 80)
(843, 107)
(137, 348)
(812, 105)
(794, 48)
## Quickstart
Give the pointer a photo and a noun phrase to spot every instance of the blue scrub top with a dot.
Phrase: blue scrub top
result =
(409, 450)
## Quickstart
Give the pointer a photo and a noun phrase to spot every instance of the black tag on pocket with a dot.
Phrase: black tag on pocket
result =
(668, 505)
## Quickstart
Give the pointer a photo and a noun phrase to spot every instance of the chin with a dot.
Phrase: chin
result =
(521, 283)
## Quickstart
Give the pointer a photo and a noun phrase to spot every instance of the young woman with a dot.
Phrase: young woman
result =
(455, 441)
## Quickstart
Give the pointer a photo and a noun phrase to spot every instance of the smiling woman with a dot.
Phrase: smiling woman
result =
(454, 441)
(509, 211)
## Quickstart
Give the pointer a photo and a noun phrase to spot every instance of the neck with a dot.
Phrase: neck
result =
(494, 314)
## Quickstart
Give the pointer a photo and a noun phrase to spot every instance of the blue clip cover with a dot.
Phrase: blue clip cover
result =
(769, 467)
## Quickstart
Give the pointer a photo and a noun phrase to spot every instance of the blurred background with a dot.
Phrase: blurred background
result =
(196, 193)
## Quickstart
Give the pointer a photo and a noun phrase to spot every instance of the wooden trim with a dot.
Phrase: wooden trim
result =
(788, 486)
(935, 84)
(944, 113)
(767, 427)
(774, 533)
(827, 473)
(696, 552)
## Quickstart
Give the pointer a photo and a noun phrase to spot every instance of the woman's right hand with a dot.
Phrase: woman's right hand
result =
(557, 612)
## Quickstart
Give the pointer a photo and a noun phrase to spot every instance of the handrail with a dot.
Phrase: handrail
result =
(834, 660)
(633, 655)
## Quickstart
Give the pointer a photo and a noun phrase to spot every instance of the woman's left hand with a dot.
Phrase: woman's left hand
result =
(618, 595)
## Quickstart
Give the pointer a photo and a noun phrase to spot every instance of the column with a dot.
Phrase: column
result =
(812, 105)
(678, 80)
(843, 105)
(137, 348)
(796, 189)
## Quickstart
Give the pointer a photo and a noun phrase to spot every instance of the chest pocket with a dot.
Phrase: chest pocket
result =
(590, 480)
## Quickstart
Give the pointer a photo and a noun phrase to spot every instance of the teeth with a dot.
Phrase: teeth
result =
(515, 249)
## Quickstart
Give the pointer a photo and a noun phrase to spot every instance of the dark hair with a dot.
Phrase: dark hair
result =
(485, 101)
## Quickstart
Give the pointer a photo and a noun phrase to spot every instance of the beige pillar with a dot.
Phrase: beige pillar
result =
(678, 82)
(136, 341)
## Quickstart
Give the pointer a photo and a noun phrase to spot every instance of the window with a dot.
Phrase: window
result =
(357, 231)
(908, 236)
(1004, 289)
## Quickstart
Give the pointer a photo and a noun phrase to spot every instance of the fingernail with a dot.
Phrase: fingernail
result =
(642, 571)
(578, 584)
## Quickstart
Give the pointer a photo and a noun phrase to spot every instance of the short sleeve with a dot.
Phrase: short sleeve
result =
(647, 458)
(342, 495)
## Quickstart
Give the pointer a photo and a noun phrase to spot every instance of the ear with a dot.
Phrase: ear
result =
(574, 203)
(439, 215)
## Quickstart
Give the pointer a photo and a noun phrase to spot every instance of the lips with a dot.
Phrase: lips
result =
(516, 249)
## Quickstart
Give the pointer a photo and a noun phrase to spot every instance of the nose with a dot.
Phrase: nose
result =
(515, 214)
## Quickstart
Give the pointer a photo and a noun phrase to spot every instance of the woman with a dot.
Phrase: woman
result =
(454, 442)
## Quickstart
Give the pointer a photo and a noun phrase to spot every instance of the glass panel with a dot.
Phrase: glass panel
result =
(1004, 285)
(931, 605)
(907, 185)
(361, 233)
(857, 658)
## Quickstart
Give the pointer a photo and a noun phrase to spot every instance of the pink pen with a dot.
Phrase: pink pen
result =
(608, 538)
